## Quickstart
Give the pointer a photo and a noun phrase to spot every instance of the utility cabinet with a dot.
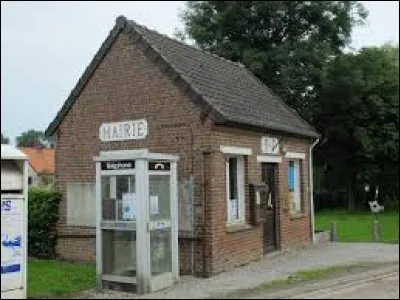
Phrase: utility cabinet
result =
(14, 225)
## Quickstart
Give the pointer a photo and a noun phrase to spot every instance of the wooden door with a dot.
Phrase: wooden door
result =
(269, 207)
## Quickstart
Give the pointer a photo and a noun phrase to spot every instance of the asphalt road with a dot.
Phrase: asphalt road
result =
(376, 284)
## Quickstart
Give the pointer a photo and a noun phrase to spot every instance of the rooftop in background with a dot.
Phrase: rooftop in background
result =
(10, 152)
(41, 159)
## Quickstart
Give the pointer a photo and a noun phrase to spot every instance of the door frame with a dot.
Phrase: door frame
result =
(276, 207)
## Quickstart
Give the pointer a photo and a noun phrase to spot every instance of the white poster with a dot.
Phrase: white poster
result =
(12, 254)
(154, 205)
(129, 206)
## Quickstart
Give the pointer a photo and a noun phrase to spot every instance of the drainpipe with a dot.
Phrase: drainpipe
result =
(311, 179)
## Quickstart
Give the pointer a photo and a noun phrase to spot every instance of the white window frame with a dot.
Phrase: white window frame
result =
(240, 190)
(295, 196)
(295, 155)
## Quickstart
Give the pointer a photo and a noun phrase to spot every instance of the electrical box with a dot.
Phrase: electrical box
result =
(257, 193)
(14, 211)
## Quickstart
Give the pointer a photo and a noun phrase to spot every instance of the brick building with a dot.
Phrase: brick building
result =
(229, 130)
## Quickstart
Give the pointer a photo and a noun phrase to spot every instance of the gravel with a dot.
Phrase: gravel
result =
(270, 268)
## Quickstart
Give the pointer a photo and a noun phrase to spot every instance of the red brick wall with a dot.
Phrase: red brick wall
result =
(236, 248)
(129, 85)
(77, 248)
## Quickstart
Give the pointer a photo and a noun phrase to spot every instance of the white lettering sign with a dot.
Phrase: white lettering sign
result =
(12, 241)
(123, 131)
(269, 145)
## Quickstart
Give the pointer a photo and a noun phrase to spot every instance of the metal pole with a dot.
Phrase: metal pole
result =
(375, 232)
(333, 232)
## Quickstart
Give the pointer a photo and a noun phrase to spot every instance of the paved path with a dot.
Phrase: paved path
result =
(380, 283)
(270, 268)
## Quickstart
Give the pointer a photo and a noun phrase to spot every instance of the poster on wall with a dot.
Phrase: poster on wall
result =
(129, 206)
(12, 254)
(154, 205)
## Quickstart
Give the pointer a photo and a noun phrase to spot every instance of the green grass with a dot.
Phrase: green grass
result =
(50, 278)
(357, 227)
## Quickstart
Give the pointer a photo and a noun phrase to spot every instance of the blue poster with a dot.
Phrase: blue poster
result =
(291, 176)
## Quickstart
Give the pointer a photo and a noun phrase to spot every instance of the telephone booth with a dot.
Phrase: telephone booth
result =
(137, 225)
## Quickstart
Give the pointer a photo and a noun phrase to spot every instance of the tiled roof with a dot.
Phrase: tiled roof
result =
(41, 159)
(227, 89)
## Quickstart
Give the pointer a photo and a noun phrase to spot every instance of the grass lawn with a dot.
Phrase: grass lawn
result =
(357, 227)
(50, 278)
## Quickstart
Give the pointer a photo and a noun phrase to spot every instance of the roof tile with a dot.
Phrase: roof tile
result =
(41, 159)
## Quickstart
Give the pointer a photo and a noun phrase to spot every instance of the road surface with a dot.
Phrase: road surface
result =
(382, 283)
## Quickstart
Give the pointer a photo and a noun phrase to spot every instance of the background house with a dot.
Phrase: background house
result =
(41, 166)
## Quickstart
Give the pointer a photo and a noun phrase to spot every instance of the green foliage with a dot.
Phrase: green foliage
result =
(4, 139)
(34, 138)
(284, 43)
(42, 219)
(359, 118)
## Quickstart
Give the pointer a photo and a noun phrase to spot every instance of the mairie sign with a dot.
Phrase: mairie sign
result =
(123, 131)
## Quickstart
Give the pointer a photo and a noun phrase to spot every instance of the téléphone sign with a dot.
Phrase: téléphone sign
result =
(12, 254)
(123, 131)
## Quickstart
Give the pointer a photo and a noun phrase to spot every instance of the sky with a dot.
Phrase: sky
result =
(46, 46)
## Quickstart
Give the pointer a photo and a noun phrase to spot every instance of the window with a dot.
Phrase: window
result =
(29, 180)
(235, 189)
(294, 184)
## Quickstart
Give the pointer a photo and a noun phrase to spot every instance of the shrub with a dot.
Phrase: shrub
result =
(42, 219)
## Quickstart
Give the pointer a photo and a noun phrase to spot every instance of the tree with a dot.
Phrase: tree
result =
(4, 139)
(284, 43)
(33, 138)
(359, 117)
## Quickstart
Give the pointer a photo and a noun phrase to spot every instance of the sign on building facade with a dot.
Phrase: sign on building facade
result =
(123, 131)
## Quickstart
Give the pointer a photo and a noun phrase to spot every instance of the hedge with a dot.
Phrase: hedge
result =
(42, 219)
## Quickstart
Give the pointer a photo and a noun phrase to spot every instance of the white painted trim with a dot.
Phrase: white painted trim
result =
(142, 233)
(240, 191)
(235, 150)
(295, 155)
(118, 278)
(25, 241)
(269, 159)
(117, 172)
(161, 156)
(133, 154)
(242, 204)
(13, 196)
(99, 241)
(174, 219)
(160, 172)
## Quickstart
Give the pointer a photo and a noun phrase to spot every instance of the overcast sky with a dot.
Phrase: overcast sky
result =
(46, 46)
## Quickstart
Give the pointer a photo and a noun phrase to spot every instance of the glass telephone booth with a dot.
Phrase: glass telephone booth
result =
(136, 213)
